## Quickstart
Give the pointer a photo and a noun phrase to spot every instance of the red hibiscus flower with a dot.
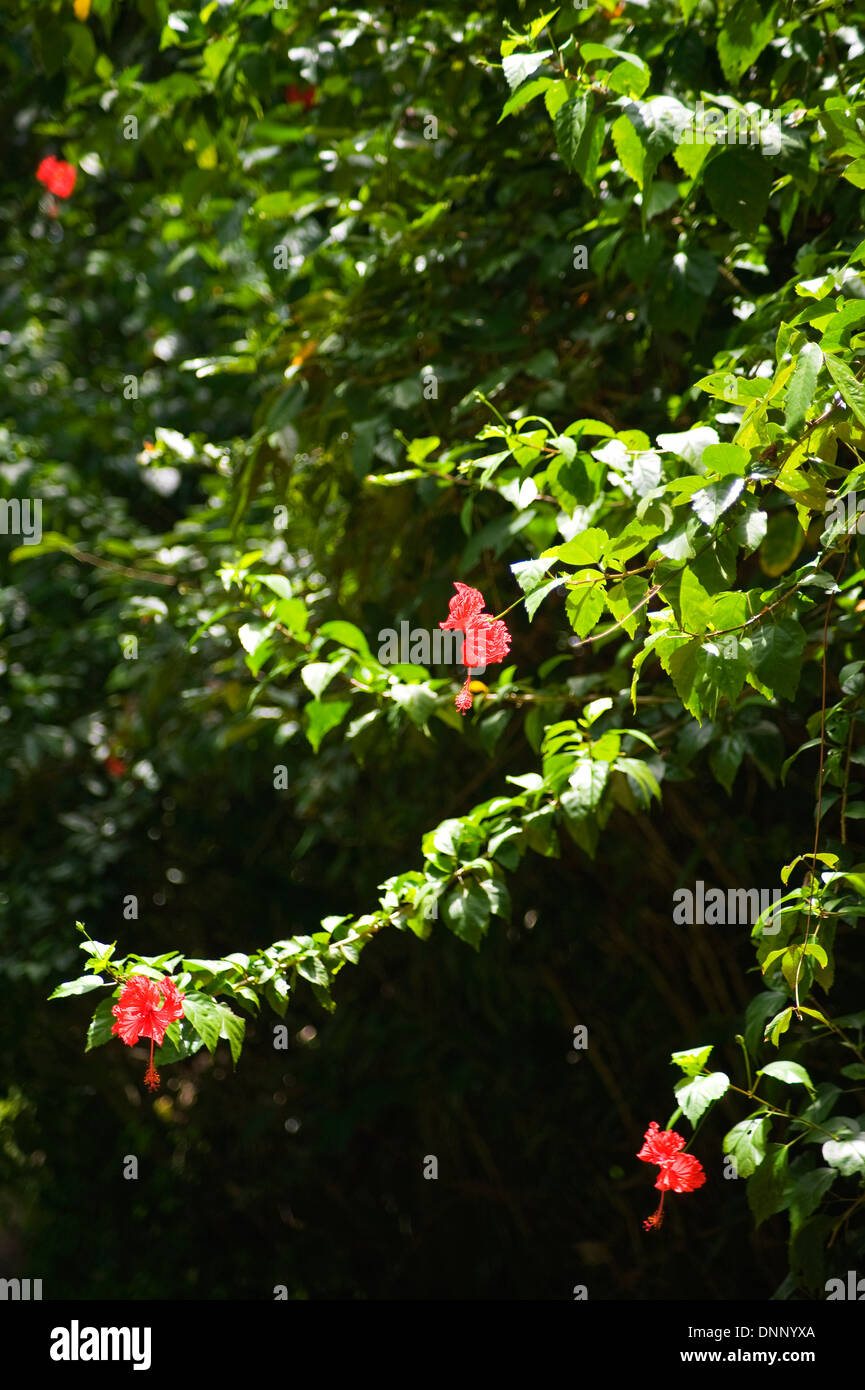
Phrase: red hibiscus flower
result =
(57, 176)
(302, 96)
(682, 1174)
(679, 1172)
(465, 605)
(145, 1009)
(486, 638)
(660, 1145)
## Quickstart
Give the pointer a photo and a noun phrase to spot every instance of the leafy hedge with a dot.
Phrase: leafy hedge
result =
(488, 309)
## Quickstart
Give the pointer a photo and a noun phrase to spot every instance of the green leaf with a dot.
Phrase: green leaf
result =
(629, 148)
(790, 1072)
(101, 1024)
(704, 673)
(641, 780)
(278, 584)
(778, 1025)
(800, 392)
(784, 539)
(851, 389)
(776, 654)
(711, 502)
(837, 332)
(466, 911)
(756, 1014)
(847, 1151)
(591, 52)
(555, 97)
(181, 1041)
(678, 542)
(692, 1060)
(317, 676)
(696, 1093)
(530, 574)
(420, 449)
(312, 968)
(767, 1188)
(541, 23)
(292, 613)
(585, 602)
(584, 549)
(83, 985)
(725, 758)
(321, 717)
(623, 599)
(659, 122)
(347, 635)
(726, 459)
(418, 701)
(207, 970)
(691, 444)
(691, 154)
(589, 150)
(537, 596)
(746, 1143)
(500, 899)
(738, 182)
(570, 123)
(587, 783)
(205, 1016)
(519, 66)
(523, 95)
(747, 29)
(255, 638)
(750, 529)
(627, 78)
(233, 1029)
(286, 204)
(807, 1189)
(277, 993)
(211, 1021)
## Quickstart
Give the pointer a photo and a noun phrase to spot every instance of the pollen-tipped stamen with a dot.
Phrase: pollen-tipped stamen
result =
(657, 1218)
(464, 700)
(151, 1076)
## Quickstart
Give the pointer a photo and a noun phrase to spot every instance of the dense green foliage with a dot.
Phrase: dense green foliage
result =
(487, 306)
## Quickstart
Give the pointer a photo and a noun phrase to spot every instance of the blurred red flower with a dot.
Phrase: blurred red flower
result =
(302, 96)
(57, 176)
(145, 1009)
(115, 767)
